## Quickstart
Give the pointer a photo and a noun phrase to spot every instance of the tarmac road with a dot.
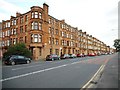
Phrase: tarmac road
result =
(69, 73)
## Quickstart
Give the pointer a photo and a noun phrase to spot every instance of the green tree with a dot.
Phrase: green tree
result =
(18, 49)
(117, 44)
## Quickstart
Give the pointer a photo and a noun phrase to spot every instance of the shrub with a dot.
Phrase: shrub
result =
(18, 49)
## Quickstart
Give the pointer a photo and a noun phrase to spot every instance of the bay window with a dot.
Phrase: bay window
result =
(37, 15)
(36, 26)
(35, 38)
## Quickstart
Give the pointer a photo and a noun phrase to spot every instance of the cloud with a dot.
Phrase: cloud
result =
(7, 9)
(96, 17)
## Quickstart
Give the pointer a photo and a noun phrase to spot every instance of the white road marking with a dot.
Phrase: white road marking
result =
(23, 75)
(36, 66)
(25, 67)
(35, 72)
(99, 70)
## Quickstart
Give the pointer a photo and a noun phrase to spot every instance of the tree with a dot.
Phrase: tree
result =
(117, 44)
(18, 49)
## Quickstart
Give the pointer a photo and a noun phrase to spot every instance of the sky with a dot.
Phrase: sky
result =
(98, 18)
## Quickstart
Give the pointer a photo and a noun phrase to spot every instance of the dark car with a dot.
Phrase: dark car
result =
(16, 59)
(65, 56)
(72, 56)
(52, 57)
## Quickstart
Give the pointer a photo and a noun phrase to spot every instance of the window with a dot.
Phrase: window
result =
(21, 20)
(50, 50)
(52, 21)
(14, 22)
(21, 39)
(62, 34)
(72, 43)
(67, 36)
(62, 42)
(26, 18)
(21, 57)
(71, 36)
(52, 32)
(25, 28)
(56, 42)
(57, 32)
(49, 21)
(32, 14)
(14, 31)
(36, 26)
(57, 51)
(36, 38)
(11, 31)
(7, 24)
(21, 29)
(33, 25)
(49, 30)
(40, 15)
(3, 43)
(52, 40)
(14, 41)
(40, 38)
(67, 43)
(40, 26)
(3, 34)
(8, 42)
(49, 40)
(62, 26)
(37, 15)
(8, 32)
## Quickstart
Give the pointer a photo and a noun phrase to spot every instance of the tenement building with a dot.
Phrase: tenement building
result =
(44, 34)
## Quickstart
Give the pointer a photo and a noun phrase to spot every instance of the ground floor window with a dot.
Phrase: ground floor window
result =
(57, 51)
(50, 50)
(64, 50)
(68, 51)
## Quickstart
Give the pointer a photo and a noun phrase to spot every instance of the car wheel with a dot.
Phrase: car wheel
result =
(12, 63)
(28, 61)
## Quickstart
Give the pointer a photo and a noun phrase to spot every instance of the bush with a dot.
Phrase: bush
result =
(18, 49)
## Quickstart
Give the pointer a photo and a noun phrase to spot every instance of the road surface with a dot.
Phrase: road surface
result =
(68, 73)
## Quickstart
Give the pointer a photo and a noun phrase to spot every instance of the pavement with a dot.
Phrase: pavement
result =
(110, 78)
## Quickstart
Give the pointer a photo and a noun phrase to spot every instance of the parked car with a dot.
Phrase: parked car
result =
(72, 56)
(92, 54)
(16, 59)
(52, 57)
(80, 55)
(65, 56)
